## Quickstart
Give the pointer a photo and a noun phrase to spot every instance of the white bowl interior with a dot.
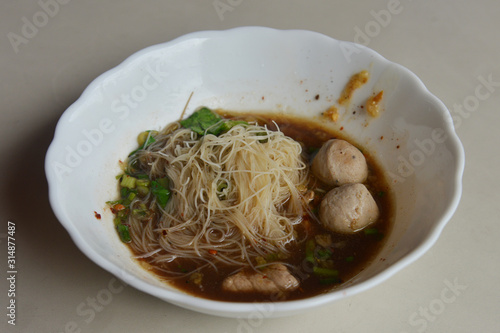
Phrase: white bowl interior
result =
(256, 69)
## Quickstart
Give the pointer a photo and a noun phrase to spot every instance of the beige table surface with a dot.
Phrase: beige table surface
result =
(44, 68)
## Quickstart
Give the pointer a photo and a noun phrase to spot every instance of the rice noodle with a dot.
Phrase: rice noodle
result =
(254, 214)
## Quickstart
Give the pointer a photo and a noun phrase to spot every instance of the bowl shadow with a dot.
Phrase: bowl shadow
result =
(42, 240)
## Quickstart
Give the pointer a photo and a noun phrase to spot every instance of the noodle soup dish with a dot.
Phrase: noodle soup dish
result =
(242, 208)
(230, 171)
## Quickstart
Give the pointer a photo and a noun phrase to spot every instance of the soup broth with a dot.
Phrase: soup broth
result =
(313, 245)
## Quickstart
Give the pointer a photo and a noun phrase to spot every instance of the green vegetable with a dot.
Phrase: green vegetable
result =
(263, 134)
(140, 212)
(131, 196)
(142, 191)
(128, 182)
(134, 165)
(220, 188)
(163, 182)
(374, 232)
(143, 182)
(371, 231)
(205, 121)
(202, 120)
(143, 137)
(143, 186)
(124, 192)
(122, 214)
(323, 254)
(310, 246)
(325, 272)
(150, 140)
(160, 190)
(127, 195)
(330, 280)
(228, 124)
(124, 233)
(349, 259)
(112, 203)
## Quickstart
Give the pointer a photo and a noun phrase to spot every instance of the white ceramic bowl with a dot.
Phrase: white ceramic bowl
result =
(255, 68)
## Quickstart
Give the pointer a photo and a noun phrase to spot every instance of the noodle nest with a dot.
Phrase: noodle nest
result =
(235, 196)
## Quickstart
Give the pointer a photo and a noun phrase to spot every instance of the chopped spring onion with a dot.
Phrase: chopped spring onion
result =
(374, 232)
(128, 182)
(131, 196)
(263, 134)
(140, 212)
(323, 254)
(221, 186)
(122, 214)
(371, 231)
(325, 272)
(310, 246)
(143, 187)
(142, 191)
(143, 182)
(124, 233)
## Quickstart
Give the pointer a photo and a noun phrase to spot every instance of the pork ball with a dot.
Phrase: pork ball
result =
(348, 208)
(338, 163)
(271, 280)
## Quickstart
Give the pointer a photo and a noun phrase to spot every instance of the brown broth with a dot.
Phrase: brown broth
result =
(350, 253)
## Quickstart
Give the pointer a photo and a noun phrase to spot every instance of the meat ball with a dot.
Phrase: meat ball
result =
(338, 163)
(273, 279)
(348, 208)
